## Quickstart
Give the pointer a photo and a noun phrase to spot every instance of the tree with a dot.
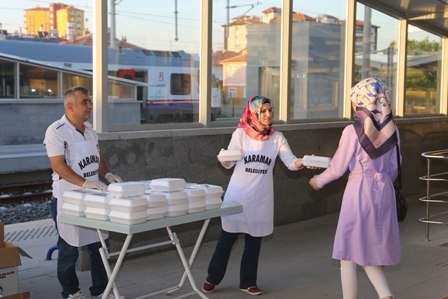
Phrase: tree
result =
(420, 47)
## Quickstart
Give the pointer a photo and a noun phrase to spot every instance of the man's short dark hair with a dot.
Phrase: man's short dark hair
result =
(74, 89)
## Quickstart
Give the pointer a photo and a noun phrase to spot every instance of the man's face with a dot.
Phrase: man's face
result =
(81, 106)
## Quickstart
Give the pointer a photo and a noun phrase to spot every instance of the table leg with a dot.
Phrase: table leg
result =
(184, 261)
(113, 275)
(193, 255)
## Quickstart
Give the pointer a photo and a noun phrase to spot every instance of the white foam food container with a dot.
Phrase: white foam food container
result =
(97, 213)
(212, 202)
(168, 184)
(192, 185)
(74, 197)
(316, 161)
(197, 200)
(213, 190)
(156, 213)
(147, 183)
(195, 192)
(126, 189)
(73, 209)
(229, 155)
(128, 218)
(96, 199)
(194, 207)
(196, 196)
(176, 210)
(155, 199)
(175, 198)
(128, 204)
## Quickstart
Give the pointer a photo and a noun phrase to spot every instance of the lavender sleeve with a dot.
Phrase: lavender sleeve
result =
(341, 158)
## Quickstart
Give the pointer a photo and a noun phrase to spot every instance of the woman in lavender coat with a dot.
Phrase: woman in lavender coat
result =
(367, 232)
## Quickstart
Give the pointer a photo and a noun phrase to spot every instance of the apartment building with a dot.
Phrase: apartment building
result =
(58, 20)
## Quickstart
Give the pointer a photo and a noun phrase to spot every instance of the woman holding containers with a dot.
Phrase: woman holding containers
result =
(367, 233)
(252, 150)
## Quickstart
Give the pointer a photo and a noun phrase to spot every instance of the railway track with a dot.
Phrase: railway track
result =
(22, 193)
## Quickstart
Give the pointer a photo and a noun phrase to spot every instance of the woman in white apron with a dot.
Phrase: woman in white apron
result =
(251, 186)
(72, 148)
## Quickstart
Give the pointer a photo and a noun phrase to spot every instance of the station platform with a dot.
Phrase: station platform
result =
(295, 262)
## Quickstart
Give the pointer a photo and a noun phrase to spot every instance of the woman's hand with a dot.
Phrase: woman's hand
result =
(313, 183)
(226, 164)
(298, 164)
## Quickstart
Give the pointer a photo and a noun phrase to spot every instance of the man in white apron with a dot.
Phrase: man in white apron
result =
(72, 148)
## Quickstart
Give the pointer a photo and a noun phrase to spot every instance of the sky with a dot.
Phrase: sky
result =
(151, 23)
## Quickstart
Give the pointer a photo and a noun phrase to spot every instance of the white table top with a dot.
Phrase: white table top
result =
(150, 224)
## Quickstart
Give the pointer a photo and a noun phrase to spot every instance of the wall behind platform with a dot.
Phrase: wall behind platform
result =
(194, 158)
(191, 154)
(26, 121)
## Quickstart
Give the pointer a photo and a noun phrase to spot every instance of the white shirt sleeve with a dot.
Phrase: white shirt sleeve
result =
(285, 153)
(53, 142)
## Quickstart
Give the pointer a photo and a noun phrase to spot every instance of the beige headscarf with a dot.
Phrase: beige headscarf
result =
(373, 123)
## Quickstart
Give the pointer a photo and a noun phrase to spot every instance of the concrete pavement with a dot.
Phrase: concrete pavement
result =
(295, 262)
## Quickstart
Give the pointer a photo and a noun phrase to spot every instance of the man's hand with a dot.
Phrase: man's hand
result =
(94, 185)
(112, 178)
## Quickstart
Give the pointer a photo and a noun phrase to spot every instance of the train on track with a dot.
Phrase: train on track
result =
(171, 78)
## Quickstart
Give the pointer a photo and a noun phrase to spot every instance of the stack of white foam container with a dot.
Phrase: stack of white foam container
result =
(196, 198)
(127, 202)
(176, 197)
(156, 202)
(139, 201)
(97, 206)
(73, 203)
(213, 196)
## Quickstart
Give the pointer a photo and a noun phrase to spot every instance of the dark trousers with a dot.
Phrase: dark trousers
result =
(249, 260)
(66, 265)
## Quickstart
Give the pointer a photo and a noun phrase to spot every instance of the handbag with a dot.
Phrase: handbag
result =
(402, 205)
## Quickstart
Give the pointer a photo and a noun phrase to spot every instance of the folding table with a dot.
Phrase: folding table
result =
(130, 229)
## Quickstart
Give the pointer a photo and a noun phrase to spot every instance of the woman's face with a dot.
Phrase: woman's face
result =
(266, 114)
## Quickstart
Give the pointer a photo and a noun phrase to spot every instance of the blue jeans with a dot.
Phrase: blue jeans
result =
(249, 260)
(66, 265)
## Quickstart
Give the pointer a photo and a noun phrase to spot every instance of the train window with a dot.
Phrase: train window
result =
(7, 77)
(69, 80)
(37, 82)
(180, 84)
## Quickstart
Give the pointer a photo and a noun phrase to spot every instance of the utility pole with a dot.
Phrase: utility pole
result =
(228, 7)
(366, 38)
(113, 14)
(175, 20)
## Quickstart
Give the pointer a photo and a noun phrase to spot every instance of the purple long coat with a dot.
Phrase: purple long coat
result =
(367, 231)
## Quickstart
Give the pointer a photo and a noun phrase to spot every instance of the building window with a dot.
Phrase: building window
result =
(376, 51)
(316, 64)
(37, 82)
(7, 79)
(231, 93)
(70, 80)
(423, 73)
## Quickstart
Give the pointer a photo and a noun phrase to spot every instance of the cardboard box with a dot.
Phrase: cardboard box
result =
(9, 260)
(9, 256)
(24, 295)
(9, 281)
